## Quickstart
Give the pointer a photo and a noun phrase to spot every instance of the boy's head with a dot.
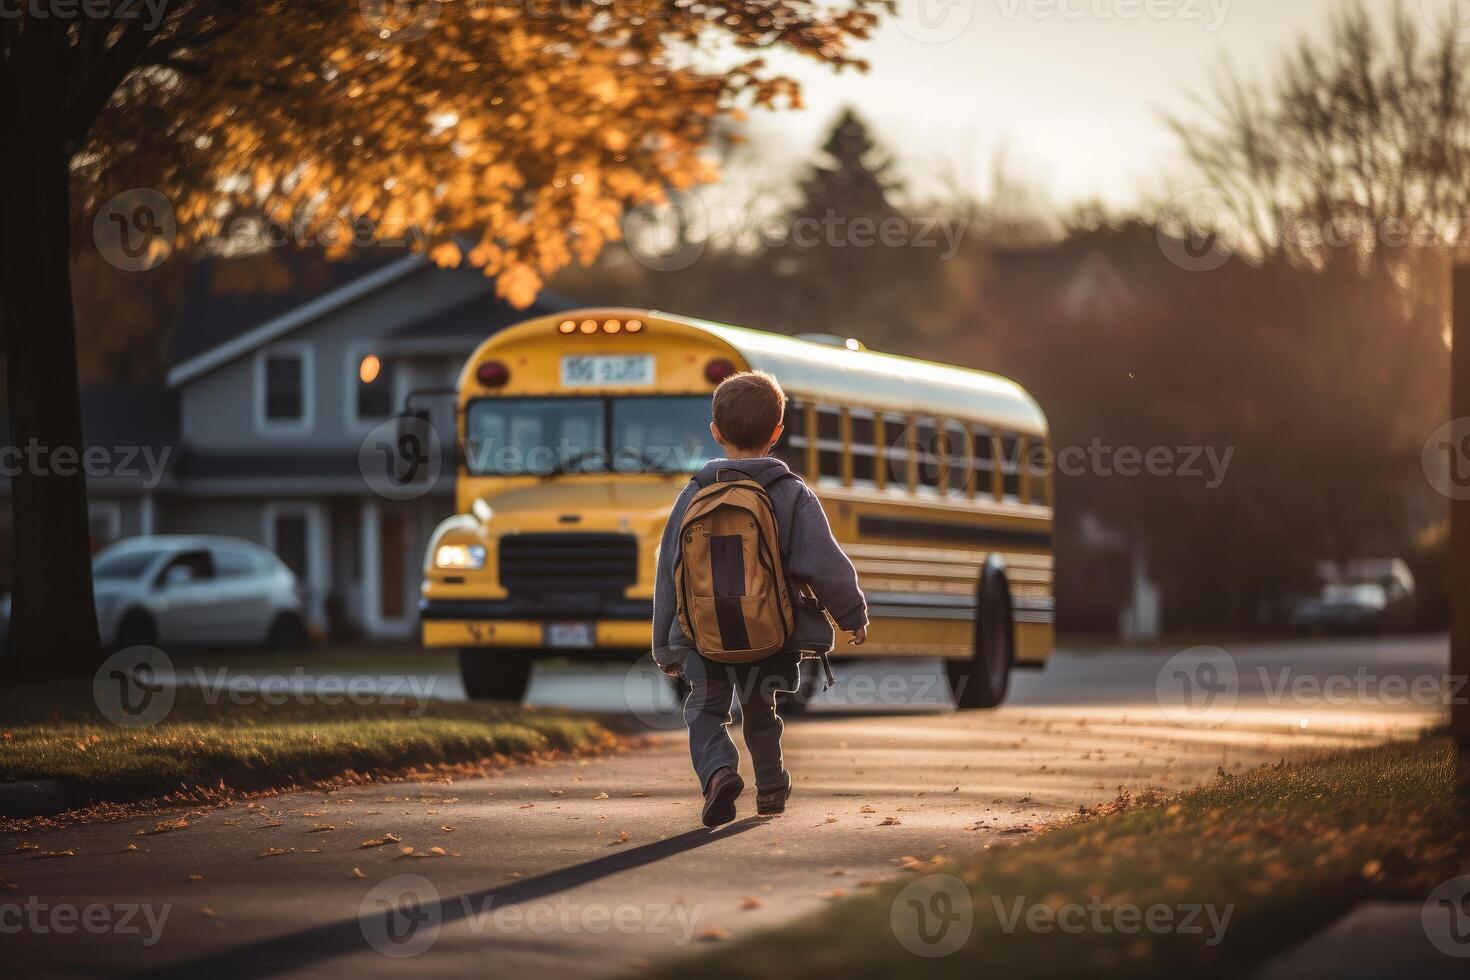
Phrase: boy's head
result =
(748, 408)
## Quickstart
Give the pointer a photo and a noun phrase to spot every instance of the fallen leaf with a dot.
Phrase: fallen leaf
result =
(600, 796)
(527, 806)
(321, 828)
(357, 873)
(26, 845)
(715, 934)
(196, 877)
(889, 822)
(439, 851)
(446, 828)
(866, 809)
(271, 852)
(749, 902)
(622, 839)
(380, 841)
(68, 853)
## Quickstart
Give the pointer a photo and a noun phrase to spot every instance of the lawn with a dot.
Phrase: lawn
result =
(203, 748)
(1205, 884)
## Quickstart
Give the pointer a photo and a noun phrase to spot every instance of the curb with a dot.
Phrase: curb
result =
(35, 798)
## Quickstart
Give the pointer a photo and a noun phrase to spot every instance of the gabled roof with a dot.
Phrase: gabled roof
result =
(236, 305)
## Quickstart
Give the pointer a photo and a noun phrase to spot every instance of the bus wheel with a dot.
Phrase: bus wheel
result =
(495, 675)
(982, 681)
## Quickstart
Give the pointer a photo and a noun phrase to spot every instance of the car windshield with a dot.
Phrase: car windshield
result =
(658, 434)
(124, 564)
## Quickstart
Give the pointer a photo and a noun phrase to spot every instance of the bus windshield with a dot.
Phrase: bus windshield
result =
(541, 436)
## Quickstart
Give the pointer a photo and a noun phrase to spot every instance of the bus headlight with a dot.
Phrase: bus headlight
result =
(460, 556)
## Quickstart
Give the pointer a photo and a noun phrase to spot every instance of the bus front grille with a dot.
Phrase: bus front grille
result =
(570, 565)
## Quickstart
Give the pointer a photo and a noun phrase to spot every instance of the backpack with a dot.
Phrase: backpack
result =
(730, 579)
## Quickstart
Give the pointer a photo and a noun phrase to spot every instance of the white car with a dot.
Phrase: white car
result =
(177, 590)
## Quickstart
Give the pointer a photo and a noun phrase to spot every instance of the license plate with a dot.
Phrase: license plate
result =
(620, 370)
(569, 634)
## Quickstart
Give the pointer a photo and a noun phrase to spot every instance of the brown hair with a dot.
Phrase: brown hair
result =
(747, 408)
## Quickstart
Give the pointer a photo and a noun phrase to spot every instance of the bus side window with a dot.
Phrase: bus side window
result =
(829, 442)
(1010, 461)
(984, 462)
(863, 452)
(931, 452)
(791, 447)
(896, 436)
(959, 474)
(1038, 459)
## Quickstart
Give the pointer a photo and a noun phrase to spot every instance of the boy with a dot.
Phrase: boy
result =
(748, 409)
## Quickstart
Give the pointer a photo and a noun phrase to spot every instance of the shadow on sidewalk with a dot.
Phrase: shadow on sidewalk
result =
(307, 947)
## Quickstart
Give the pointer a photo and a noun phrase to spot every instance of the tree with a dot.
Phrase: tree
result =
(1359, 145)
(521, 130)
(853, 262)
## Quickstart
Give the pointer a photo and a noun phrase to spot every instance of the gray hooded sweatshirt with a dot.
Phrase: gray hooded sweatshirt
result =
(812, 559)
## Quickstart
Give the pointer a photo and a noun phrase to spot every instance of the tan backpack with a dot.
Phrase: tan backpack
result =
(731, 583)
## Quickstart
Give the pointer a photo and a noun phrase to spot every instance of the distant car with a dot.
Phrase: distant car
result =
(1361, 596)
(194, 590)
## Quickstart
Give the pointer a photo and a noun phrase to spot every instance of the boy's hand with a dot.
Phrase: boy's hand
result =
(859, 636)
(676, 671)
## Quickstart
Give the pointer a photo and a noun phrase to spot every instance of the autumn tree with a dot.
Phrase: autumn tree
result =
(522, 130)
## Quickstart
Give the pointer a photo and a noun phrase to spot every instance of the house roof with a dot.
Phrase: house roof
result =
(474, 318)
(230, 296)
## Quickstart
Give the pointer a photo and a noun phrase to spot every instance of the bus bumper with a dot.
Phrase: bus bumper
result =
(470, 623)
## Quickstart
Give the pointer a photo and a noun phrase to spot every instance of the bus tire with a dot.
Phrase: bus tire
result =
(983, 680)
(495, 675)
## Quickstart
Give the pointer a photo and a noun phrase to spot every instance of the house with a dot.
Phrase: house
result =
(275, 380)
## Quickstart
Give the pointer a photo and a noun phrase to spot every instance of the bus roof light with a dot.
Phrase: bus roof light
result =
(612, 326)
(492, 374)
(589, 326)
(634, 326)
(718, 370)
(568, 326)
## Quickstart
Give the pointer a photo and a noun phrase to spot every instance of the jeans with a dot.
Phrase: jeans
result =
(713, 687)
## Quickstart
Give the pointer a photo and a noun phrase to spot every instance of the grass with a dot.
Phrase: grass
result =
(1281, 850)
(202, 748)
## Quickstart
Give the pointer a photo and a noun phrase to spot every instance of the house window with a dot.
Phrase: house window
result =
(285, 375)
(374, 390)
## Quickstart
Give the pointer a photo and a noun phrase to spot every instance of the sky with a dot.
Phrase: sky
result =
(1074, 90)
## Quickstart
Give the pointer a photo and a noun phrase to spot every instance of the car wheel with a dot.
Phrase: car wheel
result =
(983, 680)
(288, 632)
(137, 629)
(491, 674)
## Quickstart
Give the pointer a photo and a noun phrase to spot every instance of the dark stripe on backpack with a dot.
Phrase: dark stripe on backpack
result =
(727, 568)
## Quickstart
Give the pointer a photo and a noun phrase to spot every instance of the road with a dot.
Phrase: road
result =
(597, 867)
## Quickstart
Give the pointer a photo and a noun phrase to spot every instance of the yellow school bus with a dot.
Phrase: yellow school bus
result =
(576, 432)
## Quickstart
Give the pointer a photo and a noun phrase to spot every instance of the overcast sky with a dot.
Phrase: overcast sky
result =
(1074, 88)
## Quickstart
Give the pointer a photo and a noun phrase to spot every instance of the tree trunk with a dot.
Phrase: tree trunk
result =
(53, 626)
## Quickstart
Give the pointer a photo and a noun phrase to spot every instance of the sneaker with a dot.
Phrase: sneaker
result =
(719, 797)
(770, 802)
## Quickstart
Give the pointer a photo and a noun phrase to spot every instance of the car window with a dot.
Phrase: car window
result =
(199, 563)
(124, 564)
(233, 564)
